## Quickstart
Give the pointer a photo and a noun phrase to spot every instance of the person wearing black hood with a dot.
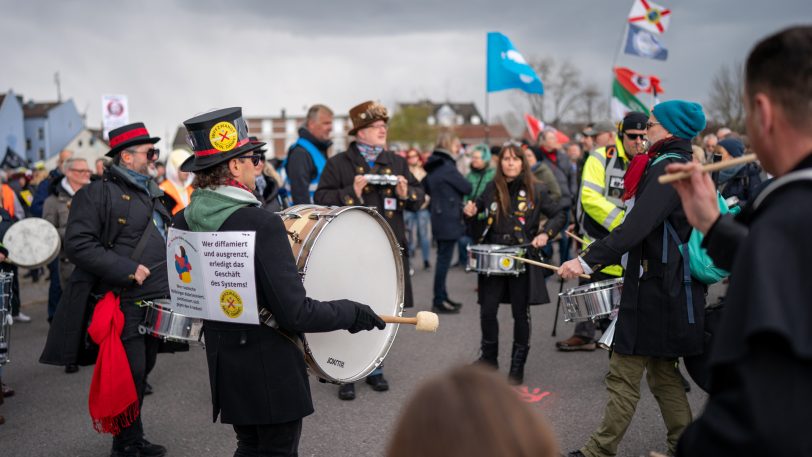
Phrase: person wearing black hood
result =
(513, 204)
(447, 187)
(308, 155)
(740, 181)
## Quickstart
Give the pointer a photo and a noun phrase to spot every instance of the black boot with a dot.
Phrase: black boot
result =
(490, 351)
(517, 360)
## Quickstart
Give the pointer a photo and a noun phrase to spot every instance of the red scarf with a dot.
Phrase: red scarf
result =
(234, 183)
(631, 180)
(552, 155)
(113, 401)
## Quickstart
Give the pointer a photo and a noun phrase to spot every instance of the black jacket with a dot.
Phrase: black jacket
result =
(301, 169)
(257, 375)
(763, 344)
(270, 195)
(514, 230)
(653, 318)
(336, 186)
(447, 187)
(106, 221)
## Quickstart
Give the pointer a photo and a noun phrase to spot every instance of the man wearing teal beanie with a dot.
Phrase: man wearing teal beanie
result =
(661, 314)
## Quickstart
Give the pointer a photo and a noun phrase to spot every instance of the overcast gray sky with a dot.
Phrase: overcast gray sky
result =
(176, 58)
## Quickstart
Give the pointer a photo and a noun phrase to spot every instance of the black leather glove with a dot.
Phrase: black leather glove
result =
(365, 319)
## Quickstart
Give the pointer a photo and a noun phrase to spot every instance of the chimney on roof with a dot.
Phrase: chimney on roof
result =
(283, 114)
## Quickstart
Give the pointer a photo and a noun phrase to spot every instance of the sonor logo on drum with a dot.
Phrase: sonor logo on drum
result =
(506, 263)
(231, 303)
(338, 363)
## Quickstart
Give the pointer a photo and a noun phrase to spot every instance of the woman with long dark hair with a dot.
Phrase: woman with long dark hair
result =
(513, 204)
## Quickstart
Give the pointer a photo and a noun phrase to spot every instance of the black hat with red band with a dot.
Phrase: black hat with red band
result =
(128, 136)
(216, 137)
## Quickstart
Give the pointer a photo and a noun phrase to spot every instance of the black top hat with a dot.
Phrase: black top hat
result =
(217, 136)
(129, 135)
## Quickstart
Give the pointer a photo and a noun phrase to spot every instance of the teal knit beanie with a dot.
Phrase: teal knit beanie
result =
(683, 119)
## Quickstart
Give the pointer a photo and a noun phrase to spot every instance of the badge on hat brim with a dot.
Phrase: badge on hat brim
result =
(223, 136)
(522, 193)
(493, 206)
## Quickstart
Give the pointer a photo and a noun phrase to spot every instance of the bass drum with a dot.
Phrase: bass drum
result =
(347, 253)
(32, 242)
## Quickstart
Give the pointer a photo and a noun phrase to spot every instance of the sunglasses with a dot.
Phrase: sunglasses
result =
(635, 136)
(651, 124)
(255, 159)
(152, 154)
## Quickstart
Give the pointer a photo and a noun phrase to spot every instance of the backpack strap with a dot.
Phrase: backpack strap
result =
(668, 230)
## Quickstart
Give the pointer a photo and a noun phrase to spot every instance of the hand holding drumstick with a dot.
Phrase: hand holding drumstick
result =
(697, 193)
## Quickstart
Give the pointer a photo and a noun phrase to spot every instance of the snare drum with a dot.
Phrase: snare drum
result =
(591, 301)
(493, 259)
(168, 325)
(5, 316)
(351, 253)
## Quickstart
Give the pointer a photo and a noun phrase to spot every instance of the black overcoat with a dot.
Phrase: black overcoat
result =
(761, 358)
(653, 319)
(106, 221)
(336, 186)
(257, 374)
(447, 187)
(511, 231)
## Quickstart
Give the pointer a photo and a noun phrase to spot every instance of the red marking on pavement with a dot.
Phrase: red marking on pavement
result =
(530, 396)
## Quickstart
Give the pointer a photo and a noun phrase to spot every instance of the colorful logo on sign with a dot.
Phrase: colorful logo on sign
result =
(231, 303)
(182, 266)
(223, 136)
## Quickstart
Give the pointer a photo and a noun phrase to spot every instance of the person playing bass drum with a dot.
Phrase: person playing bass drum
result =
(513, 204)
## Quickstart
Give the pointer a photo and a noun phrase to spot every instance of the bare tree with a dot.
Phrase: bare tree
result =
(725, 99)
(562, 90)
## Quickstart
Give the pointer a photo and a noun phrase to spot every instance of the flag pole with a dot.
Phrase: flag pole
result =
(487, 97)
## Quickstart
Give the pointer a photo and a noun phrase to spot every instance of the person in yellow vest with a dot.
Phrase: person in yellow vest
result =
(600, 208)
(177, 186)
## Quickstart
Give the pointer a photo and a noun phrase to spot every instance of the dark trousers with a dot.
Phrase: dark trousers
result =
(408, 300)
(587, 329)
(492, 291)
(445, 250)
(280, 440)
(142, 352)
(565, 244)
(54, 288)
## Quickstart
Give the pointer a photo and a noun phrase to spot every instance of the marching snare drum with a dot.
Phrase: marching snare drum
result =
(494, 259)
(591, 301)
(5, 316)
(351, 253)
(166, 324)
(32, 242)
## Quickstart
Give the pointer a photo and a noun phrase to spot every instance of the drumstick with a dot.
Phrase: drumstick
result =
(544, 265)
(709, 168)
(425, 321)
(576, 238)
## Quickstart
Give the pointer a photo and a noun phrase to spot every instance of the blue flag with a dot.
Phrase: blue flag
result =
(642, 43)
(507, 69)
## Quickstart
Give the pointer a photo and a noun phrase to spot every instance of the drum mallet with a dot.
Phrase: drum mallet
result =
(543, 265)
(709, 168)
(425, 321)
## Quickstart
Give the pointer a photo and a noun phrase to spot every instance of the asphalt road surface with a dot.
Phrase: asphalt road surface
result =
(48, 416)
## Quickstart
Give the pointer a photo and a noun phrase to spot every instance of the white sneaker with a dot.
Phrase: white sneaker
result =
(22, 318)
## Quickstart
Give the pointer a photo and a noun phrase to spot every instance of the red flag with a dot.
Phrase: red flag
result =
(534, 126)
(636, 83)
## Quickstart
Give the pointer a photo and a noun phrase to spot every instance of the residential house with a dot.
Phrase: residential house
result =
(49, 128)
(12, 130)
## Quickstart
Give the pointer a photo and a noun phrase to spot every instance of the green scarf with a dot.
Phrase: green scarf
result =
(210, 208)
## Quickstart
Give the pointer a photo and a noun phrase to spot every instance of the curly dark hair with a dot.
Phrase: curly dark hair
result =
(212, 177)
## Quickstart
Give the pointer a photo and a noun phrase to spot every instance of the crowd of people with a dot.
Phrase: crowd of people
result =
(523, 196)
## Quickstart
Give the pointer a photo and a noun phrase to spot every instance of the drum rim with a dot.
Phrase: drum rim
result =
(598, 286)
(303, 260)
(154, 308)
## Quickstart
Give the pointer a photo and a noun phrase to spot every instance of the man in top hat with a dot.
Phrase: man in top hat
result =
(343, 183)
(662, 309)
(258, 376)
(116, 238)
(600, 207)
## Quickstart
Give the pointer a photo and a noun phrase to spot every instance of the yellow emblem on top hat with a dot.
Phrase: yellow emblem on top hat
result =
(223, 136)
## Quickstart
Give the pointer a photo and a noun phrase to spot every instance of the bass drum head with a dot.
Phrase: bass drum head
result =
(32, 242)
(354, 257)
